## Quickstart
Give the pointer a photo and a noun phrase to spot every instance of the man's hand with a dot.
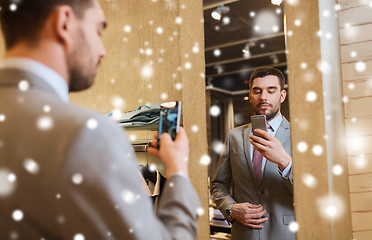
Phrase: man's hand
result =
(270, 148)
(174, 154)
(249, 214)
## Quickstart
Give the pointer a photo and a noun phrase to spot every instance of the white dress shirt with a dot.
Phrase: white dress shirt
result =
(48, 75)
(274, 123)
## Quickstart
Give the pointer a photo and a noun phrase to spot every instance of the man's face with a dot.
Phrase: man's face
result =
(266, 96)
(87, 49)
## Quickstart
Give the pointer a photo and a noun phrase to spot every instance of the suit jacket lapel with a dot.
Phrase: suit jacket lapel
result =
(247, 151)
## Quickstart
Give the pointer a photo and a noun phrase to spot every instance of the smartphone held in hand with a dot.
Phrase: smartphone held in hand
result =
(258, 122)
(169, 122)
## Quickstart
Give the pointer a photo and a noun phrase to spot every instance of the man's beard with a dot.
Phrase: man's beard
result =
(270, 114)
(78, 80)
(81, 76)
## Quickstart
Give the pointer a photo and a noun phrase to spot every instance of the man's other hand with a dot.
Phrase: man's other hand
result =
(248, 214)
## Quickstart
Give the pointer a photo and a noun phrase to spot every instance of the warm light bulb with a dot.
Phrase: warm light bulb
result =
(276, 2)
(216, 14)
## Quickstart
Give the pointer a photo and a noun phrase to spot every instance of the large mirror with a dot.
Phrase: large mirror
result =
(240, 36)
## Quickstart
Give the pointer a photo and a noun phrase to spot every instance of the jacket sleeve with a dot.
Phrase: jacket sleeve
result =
(222, 183)
(108, 200)
(288, 179)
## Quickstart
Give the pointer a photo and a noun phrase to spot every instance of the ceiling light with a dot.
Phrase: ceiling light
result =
(217, 13)
(275, 59)
(218, 68)
(276, 2)
(247, 49)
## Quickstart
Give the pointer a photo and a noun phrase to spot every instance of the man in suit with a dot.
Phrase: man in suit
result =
(66, 172)
(253, 185)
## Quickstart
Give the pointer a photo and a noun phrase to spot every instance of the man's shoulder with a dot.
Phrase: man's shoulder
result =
(74, 114)
(285, 123)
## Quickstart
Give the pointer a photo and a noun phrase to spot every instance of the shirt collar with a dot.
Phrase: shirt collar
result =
(48, 75)
(275, 123)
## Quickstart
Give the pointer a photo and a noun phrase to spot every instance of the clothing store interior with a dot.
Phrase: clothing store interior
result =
(202, 55)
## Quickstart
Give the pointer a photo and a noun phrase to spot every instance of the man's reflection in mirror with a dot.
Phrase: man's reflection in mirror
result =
(253, 185)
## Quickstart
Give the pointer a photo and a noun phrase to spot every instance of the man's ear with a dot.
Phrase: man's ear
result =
(283, 94)
(63, 24)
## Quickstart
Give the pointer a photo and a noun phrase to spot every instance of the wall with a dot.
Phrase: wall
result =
(321, 194)
(355, 24)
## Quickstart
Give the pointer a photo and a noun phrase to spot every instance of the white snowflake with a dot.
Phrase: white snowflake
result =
(178, 20)
(311, 96)
(147, 71)
(159, 30)
(118, 102)
(23, 85)
(360, 66)
(178, 86)
(127, 28)
(79, 236)
(188, 65)
(205, 160)
(7, 182)
(200, 211)
(128, 197)
(61, 219)
(45, 123)
(77, 178)
(294, 227)
(215, 110)
(17, 215)
(92, 123)
(337, 170)
(302, 147)
(13, 7)
(164, 96)
(31, 166)
(217, 52)
(195, 128)
(217, 146)
(309, 180)
(317, 150)
(46, 108)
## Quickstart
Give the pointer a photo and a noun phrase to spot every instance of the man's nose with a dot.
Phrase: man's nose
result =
(264, 96)
(102, 52)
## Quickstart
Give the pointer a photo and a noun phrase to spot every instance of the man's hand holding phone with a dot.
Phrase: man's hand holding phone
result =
(174, 154)
(270, 148)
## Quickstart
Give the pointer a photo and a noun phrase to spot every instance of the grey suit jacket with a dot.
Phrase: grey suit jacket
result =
(73, 179)
(235, 182)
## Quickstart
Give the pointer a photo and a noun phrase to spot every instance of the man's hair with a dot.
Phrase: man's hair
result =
(23, 19)
(267, 71)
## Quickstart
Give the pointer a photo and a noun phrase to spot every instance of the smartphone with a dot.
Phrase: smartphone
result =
(258, 122)
(170, 114)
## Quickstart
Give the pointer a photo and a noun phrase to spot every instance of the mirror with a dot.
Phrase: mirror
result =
(240, 36)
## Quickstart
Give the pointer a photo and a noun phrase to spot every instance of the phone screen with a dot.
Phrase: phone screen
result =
(169, 120)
